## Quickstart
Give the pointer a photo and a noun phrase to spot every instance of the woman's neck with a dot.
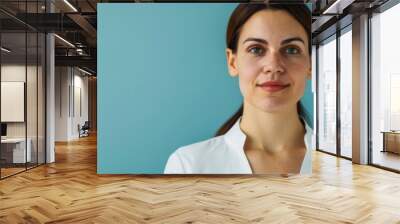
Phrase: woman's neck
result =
(272, 132)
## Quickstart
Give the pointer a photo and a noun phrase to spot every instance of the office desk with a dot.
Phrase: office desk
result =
(13, 150)
(391, 141)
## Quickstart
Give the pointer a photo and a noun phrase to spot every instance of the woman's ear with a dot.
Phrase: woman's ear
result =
(231, 61)
(309, 74)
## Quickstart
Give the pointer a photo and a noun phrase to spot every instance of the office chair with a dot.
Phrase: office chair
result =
(84, 130)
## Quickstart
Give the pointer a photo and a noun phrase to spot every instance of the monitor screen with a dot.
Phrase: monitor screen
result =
(3, 129)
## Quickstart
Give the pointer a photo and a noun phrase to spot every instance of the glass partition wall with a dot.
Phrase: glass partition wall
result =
(13, 88)
(22, 88)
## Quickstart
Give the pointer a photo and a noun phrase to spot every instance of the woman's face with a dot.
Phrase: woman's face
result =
(272, 61)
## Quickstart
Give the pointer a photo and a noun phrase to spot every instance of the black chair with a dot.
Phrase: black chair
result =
(84, 130)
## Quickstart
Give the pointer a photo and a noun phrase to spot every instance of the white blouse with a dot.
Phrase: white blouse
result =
(224, 155)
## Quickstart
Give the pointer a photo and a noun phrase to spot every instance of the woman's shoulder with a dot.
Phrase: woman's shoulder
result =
(201, 147)
(191, 158)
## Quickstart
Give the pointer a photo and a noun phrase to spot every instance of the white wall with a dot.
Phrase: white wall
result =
(70, 83)
(62, 81)
(79, 117)
(13, 101)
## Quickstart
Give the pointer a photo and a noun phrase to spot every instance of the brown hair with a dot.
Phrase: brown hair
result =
(239, 16)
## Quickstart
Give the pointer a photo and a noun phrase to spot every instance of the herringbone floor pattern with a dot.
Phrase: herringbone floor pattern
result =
(70, 191)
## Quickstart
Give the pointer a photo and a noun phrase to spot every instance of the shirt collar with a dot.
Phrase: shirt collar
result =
(236, 137)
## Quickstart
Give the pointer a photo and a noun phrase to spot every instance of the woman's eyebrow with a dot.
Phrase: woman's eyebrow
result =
(291, 40)
(286, 41)
(256, 39)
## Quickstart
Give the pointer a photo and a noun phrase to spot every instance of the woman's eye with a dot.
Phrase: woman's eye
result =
(292, 50)
(256, 51)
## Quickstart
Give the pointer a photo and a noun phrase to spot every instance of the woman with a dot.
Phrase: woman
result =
(269, 50)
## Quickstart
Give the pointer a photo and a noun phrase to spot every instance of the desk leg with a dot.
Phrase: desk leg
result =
(384, 142)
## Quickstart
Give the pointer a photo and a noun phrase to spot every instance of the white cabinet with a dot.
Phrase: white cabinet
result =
(18, 149)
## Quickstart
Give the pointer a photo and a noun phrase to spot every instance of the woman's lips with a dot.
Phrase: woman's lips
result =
(273, 86)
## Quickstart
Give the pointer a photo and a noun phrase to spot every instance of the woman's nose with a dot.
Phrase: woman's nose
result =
(273, 63)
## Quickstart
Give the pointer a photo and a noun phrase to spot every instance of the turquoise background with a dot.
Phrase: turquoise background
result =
(162, 81)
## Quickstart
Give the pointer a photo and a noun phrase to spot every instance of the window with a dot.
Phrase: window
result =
(385, 89)
(346, 93)
(327, 96)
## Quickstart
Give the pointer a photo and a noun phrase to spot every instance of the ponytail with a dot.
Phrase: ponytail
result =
(232, 120)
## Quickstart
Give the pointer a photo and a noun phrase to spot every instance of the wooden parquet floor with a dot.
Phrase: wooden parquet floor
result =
(70, 191)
